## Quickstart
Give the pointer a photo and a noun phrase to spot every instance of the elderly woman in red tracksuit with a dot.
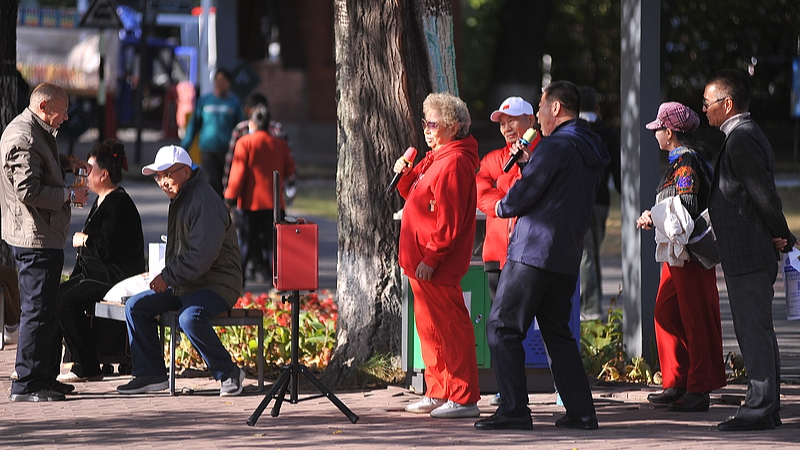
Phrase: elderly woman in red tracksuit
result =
(436, 237)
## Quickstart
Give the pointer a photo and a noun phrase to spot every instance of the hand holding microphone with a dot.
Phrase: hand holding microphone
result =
(403, 163)
(525, 140)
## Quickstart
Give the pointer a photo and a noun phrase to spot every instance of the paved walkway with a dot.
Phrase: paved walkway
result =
(98, 417)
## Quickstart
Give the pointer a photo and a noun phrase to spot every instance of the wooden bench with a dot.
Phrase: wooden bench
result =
(231, 318)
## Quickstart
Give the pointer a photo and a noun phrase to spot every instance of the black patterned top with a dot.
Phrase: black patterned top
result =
(689, 175)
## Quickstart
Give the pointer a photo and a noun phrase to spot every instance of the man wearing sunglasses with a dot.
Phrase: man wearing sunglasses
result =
(202, 277)
(745, 209)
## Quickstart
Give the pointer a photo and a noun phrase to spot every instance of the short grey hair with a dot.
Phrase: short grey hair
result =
(46, 92)
(451, 109)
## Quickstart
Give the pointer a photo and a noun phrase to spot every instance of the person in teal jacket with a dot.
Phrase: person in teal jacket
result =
(214, 117)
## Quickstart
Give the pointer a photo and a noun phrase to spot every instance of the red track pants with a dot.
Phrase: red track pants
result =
(448, 342)
(688, 328)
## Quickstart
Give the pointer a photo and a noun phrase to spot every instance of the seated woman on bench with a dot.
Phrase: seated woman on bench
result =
(110, 249)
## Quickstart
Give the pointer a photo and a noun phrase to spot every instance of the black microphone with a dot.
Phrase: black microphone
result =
(408, 156)
(524, 140)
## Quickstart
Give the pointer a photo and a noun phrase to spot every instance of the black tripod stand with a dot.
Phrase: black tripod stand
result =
(288, 380)
(290, 375)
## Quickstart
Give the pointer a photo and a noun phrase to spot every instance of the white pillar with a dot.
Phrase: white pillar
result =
(639, 98)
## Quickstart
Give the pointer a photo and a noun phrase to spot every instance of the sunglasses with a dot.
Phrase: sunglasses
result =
(707, 105)
(429, 125)
(158, 177)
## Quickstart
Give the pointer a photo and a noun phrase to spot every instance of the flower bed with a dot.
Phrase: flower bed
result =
(317, 334)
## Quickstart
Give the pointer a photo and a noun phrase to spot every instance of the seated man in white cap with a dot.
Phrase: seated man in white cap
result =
(202, 277)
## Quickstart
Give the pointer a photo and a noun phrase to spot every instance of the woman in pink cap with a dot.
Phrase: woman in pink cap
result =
(687, 315)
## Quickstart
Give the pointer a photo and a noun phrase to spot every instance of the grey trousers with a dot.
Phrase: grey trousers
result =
(750, 296)
(591, 280)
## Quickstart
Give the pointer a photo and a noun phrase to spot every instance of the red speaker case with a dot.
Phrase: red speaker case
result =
(297, 254)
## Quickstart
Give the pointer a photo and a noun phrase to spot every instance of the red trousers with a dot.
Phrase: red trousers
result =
(448, 342)
(688, 328)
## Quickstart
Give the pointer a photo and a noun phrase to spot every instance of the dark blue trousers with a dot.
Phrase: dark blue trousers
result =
(39, 345)
(524, 293)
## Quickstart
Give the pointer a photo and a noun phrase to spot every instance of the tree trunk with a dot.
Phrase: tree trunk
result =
(8, 83)
(384, 52)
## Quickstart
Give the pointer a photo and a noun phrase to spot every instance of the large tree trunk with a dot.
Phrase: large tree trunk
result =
(384, 54)
(8, 83)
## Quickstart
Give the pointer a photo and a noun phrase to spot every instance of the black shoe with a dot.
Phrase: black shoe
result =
(776, 419)
(145, 383)
(38, 396)
(62, 388)
(667, 396)
(495, 422)
(582, 423)
(691, 402)
(737, 424)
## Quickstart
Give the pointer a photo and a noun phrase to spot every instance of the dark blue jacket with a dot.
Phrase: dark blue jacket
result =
(554, 199)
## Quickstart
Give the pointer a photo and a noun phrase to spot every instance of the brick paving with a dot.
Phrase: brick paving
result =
(96, 416)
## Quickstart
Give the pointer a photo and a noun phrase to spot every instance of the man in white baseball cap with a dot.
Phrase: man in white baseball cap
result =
(201, 278)
(169, 169)
(512, 106)
(514, 116)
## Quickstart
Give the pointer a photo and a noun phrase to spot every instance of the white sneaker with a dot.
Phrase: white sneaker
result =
(453, 410)
(425, 406)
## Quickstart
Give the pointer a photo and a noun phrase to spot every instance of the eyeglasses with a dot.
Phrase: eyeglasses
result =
(429, 125)
(707, 105)
(158, 177)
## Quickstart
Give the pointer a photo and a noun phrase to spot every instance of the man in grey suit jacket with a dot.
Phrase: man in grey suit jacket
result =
(748, 221)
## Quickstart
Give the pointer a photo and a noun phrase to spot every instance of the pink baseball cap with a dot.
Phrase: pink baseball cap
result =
(513, 106)
(675, 116)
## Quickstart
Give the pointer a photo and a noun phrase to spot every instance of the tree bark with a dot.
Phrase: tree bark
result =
(8, 83)
(383, 60)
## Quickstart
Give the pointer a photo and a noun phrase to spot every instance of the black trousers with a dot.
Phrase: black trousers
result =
(39, 345)
(255, 240)
(214, 167)
(76, 296)
(524, 293)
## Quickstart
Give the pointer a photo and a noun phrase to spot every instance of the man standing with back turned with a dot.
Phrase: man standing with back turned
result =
(553, 201)
(748, 220)
(36, 214)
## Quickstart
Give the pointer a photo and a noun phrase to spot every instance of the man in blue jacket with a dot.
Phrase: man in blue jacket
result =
(553, 202)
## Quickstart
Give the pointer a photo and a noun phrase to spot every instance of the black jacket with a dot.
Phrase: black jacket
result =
(114, 249)
(744, 206)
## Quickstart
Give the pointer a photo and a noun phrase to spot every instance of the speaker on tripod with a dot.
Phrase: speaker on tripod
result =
(295, 269)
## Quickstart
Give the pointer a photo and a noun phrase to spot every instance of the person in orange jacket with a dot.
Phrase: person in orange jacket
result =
(255, 157)
(515, 116)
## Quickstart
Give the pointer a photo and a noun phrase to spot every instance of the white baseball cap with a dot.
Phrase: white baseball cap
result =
(513, 106)
(167, 157)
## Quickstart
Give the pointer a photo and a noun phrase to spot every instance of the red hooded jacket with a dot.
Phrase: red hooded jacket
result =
(493, 184)
(438, 225)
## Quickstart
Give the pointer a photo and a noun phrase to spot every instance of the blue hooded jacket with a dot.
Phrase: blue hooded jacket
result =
(554, 199)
